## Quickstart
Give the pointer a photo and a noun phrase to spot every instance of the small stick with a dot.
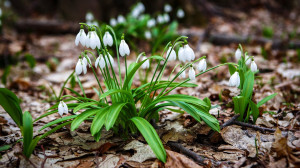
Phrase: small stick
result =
(263, 129)
(230, 122)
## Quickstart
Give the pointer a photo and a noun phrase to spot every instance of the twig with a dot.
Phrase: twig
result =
(263, 129)
(199, 159)
(230, 122)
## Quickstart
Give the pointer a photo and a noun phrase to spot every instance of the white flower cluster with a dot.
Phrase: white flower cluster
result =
(235, 78)
(90, 19)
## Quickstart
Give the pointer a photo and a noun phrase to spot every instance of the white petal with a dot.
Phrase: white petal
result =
(60, 108)
(182, 75)
(77, 39)
(202, 65)
(97, 62)
(146, 64)
(238, 54)
(82, 37)
(253, 66)
(192, 74)
(87, 40)
(248, 60)
(181, 55)
(102, 62)
(65, 107)
(84, 69)
(78, 68)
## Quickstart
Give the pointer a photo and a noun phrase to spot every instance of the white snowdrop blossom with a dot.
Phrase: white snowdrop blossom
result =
(124, 48)
(113, 22)
(148, 35)
(202, 65)
(151, 23)
(108, 39)
(188, 53)
(253, 66)
(168, 8)
(80, 67)
(172, 55)
(182, 75)
(248, 60)
(62, 108)
(160, 19)
(234, 80)
(80, 37)
(87, 61)
(180, 13)
(92, 41)
(166, 17)
(181, 55)
(101, 61)
(192, 74)
(121, 19)
(89, 16)
(140, 8)
(238, 54)
(146, 64)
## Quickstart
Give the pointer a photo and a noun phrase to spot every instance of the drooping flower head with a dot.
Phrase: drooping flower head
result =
(148, 35)
(188, 52)
(62, 108)
(253, 66)
(107, 39)
(202, 65)
(238, 54)
(181, 55)
(121, 19)
(160, 19)
(102, 61)
(171, 54)
(180, 13)
(80, 37)
(124, 48)
(151, 23)
(92, 41)
(248, 60)
(235, 80)
(168, 8)
(192, 74)
(113, 22)
(146, 64)
(80, 67)
(182, 75)
(166, 18)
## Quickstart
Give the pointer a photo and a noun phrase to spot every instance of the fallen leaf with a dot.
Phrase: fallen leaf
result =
(143, 151)
(175, 159)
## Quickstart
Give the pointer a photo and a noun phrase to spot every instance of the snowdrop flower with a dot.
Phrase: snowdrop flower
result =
(181, 55)
(202, 65)
(124, 48)
(113, 22)
(0, 12)
(80, 37)
(89, 16)
(87, 61)
(107, 39)
(92, 40)
(188, 53)
(80, 67)
(166, 17)
(180, 13)
(182, 75)
(238, 54)
(148, 34)
(160, 19)
(146, 64)
(141, 7)
(151, 23)
(171, 54)
(248, 60)
(100, 61)
(121, 19)
(168, 8)
(234, 80)
(253, 66)
(62, 108)
(192, 74)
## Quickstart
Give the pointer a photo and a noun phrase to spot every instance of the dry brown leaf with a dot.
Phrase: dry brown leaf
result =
(175, 159)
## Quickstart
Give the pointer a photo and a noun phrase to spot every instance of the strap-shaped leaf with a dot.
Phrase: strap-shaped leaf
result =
(248, 86)
(99, 120)
(239, 106)
(113, 114)
(58, 121)
(81, 117)
(10, 103)
(55, 129)
(27, 133)
(114, 91)
(151, 137)
(264, 100)
(255, 111)
(83, 105)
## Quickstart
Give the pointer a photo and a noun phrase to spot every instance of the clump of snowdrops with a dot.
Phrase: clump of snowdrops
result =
(122, 108)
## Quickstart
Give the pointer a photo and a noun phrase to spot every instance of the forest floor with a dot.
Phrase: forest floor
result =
(234, 146)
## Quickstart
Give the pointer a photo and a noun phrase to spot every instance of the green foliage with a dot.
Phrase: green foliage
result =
(30, 60)
(268, 32)
(5, 75)
(243, 103)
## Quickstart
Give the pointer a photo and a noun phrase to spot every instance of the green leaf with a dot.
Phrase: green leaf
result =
(27, 133)
(99, 120)
(81, 117)
(248, 86)
(114, 91)
(55, 129)
(32, 145)
(30, 60)
(4, 147)
(113, 114)
(151, 137)
(255, 111)
(11, 104)
(97, 136)
(83, 105)
(264, 100)
(239, 106)
(232, 69)
(58, 121)
(5, 75)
